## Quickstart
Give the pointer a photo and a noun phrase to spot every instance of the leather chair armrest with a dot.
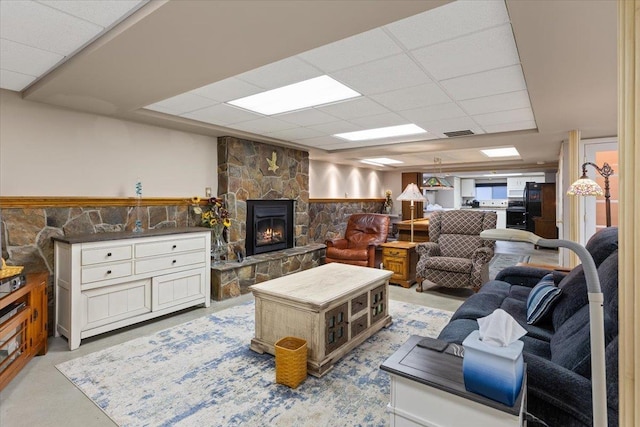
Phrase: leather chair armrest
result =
(337, 243)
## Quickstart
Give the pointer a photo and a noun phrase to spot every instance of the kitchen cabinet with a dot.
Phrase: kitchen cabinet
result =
(468, 187)
(502, 218)
(515, 185)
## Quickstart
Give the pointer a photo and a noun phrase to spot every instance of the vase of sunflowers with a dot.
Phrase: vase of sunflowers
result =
(214, 215)
(388, 203)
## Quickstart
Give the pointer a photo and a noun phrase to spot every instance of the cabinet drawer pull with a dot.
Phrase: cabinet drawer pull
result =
(108, 271)
(174, 261)
(108, 253)
(174, 246)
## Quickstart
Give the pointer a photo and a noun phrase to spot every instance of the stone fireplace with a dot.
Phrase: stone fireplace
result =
(254, 174)
(269, 225)
(250, 170)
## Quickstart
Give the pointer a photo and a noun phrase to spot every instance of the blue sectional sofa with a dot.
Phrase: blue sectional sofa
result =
(557, 350)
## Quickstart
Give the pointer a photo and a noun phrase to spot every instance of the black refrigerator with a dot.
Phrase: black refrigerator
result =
(532, 203)
(539, 204)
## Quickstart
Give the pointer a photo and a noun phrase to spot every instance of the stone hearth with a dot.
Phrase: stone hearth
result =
(232, 278)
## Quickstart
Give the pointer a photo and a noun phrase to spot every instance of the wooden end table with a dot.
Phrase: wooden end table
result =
(401, 258)
(427, 389)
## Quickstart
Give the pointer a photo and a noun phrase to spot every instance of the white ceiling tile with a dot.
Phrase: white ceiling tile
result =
(227, 90)
(184, 103)
(263, 125)
(446, 22)
(510, 127)
(358, 49)
(103, 13)
(353, 108)
(222, 114)
(502, 102)
(383, 75)
(14, 81)
(336, 127)
(486, 50)
(25, 59)
(37, 25)
(308, 117)
(500, 117)
(280, 73)
(295, 134)
(492, 82)
(379, 121)
(412, 97)
(433, 113)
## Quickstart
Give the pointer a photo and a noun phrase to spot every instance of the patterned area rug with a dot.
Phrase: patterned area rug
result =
(203, 373)
(501, 261)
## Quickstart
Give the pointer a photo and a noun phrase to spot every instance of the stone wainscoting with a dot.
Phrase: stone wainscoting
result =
(27, 231)
(232, 278)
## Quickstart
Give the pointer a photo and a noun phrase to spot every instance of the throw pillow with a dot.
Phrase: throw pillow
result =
(541, 299)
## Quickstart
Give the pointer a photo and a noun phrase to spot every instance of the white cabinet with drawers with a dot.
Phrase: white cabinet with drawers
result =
(107, 281)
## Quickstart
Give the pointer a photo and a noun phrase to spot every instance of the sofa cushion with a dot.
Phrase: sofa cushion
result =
(574, 296)
(602, 244)
(570, 344)
(541, 299)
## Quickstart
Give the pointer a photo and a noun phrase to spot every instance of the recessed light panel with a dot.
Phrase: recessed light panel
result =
(501, 152)
(493, 175)
(381, 161)
(386, 132)
(308, 93)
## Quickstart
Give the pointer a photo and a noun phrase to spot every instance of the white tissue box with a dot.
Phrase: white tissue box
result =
(492, 371)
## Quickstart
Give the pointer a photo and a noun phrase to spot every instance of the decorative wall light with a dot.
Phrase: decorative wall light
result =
(411, 194)
(585, 186)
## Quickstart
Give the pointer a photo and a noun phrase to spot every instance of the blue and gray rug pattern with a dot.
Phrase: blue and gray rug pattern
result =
(202, 373)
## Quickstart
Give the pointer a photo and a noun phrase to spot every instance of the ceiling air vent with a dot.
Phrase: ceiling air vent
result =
(458, 133)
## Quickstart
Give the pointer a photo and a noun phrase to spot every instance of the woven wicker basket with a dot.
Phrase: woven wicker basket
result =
(291, 361)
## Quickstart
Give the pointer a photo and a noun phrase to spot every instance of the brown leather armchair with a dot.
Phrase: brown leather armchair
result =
(358, 247)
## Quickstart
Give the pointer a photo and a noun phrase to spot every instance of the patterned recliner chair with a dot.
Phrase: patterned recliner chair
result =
(456, 256)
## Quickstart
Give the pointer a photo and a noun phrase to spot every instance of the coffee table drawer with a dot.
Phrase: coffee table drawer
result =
(358, 325)
(359, 303)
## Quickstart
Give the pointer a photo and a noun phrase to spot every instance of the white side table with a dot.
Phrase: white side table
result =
(427, 389)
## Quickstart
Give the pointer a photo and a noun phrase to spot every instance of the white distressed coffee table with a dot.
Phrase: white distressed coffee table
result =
(334, 307)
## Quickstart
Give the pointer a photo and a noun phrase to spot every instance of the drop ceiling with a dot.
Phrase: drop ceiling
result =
(517, 74)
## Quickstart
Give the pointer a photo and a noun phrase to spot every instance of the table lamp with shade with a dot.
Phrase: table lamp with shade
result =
(411, 194)
(585, 186)
(596, 312)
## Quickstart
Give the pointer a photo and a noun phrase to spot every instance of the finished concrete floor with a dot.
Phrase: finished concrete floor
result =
(41, 396)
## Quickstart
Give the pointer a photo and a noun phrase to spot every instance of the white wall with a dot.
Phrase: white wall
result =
(329, 181)
(51, 151)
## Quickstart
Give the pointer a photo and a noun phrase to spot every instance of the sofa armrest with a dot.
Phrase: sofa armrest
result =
(337, 243)
(569, 393)
(428, 249)
(527, 276)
